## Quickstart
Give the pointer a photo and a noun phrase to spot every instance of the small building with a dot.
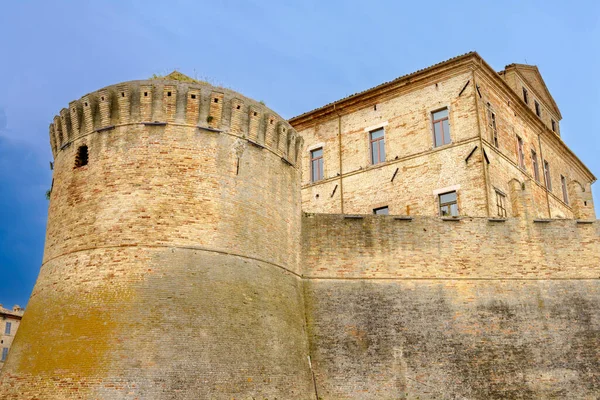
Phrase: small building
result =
(9, 323)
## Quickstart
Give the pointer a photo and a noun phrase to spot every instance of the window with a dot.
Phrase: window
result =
(563, 184)
(316, 164)
(82, 156)
(448, 205)
(534, 161)
(547, 175)
(7, 328)
(4, 354)
(494, 130)
(377, 140)
(525, 96)
(538, 110)
(501, 204)
(520, 150)
(441, 127)
(381, 211)
(553, 122)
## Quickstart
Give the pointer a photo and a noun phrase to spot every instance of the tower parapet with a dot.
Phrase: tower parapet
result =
(172, 254)
(162, 101)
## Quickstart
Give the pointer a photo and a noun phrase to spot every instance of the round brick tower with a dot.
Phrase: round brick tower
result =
(171, 266)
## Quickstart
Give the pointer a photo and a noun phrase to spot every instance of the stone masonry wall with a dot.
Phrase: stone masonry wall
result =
(472, 92)
(171, 268)
(504, 164)
(418, 166)
(471, 308)
(338, 246)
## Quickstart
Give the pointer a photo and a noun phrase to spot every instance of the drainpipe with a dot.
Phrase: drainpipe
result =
(340, 162)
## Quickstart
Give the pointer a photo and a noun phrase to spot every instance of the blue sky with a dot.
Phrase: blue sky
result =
(294, 56)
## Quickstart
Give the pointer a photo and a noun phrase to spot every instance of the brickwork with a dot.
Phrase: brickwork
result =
(461, 339)
(378, 246)
(172, 256)
(9, 324)
(477, 99)
(179, 264)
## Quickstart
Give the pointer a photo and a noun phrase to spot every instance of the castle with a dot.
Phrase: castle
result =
(429, 238)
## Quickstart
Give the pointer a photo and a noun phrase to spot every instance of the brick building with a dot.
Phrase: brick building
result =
(198, 247)
(453, 139)
(9, 323)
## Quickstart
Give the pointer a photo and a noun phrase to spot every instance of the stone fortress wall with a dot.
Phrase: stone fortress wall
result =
(179, 265)
(171, 265)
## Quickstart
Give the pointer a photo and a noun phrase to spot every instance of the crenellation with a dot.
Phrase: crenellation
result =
(65, 122)
(60, 139)
(270, 123)
(88, 113)
(169, 103)
(237, 122)
(293, 145)
(178, 103)
(146, 103)
(215, 113)
(75, 111)
(254, 118)
(52, 140)
(124, 104)
(192, 106)
(104, 101)
(282, 135)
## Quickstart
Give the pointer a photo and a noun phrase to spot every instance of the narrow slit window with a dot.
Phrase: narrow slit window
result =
(316, 164)
(441, 127)
(4, 354)
(448, 204)
(534, 161)
(563, 183)
(525, 96)
(492, 124)
(538, 109)
(82, 157)
(553, 123)
(377, 144)
(547, 175)
(520, 152)
(501, 204)
(7, 328)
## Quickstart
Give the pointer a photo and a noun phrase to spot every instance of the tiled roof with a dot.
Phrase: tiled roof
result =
(5, 311)
(385, 84)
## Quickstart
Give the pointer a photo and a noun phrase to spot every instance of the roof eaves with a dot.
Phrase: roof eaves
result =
(384, 84)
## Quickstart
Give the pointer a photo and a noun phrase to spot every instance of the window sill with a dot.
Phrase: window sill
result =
(456, 219)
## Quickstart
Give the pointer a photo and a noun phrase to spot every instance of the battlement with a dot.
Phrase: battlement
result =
(420, 247)
(159, 102)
